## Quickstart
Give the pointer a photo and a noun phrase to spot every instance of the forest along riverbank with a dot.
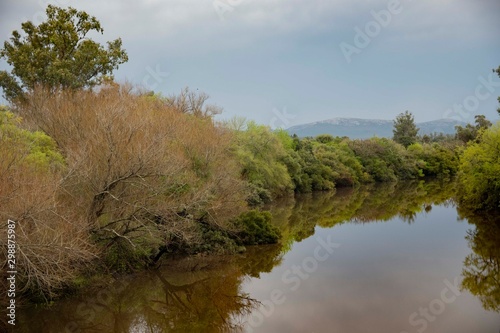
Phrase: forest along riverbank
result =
(400, 246)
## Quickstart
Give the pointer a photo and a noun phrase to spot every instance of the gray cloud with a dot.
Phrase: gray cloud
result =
(270, 54)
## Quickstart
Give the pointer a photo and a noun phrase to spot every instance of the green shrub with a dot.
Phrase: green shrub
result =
(479, 177)
(435, 159)
(34, 149)
(256, 228)
(385, 160)
(260, 154)
(217, 241)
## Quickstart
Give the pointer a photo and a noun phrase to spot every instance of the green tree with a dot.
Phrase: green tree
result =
(472, 132)
(405, 131)
(480, 172)
(260, 154)
(58, 54)
(482, 122)
(385, 160)
(435, 159)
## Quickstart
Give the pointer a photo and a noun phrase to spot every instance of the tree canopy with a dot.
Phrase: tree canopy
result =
(58, 54)
(405, 131)
(480, 172)
(471, 132)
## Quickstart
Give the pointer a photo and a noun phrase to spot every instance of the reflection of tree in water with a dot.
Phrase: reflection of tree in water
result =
(205, 305)
(106, 310)
(377, 202)
(212, 303)
(481, 271)
(188, 295)
(205, 294)
(260, 259)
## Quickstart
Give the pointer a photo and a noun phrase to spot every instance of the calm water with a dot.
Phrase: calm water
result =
(384, 259)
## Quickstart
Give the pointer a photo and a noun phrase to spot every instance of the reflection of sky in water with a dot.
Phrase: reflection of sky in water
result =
(381, 273)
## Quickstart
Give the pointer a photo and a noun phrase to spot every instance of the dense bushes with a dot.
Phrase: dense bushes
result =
(385, 160)
(480, 172)
(274, 163)
(52, 239)
(261, 155)
(256, 228)
(143, 173)
(253, 227)
(123, 177)
(480, 164)
(435, 159)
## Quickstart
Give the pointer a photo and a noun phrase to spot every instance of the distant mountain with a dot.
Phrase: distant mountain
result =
(356, 128)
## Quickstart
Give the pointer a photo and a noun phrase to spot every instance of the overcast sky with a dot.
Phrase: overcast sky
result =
(287, 62)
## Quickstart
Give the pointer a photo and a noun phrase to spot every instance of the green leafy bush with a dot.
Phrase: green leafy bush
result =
(34, 149)
(385, 160)
(256, 228)
(480, 172)
(260, 155)
(435, 159)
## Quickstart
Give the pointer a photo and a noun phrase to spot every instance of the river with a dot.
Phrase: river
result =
(387, 258)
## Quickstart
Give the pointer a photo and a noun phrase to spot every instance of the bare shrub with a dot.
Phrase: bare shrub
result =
(52, 243)
(193, 103)
(143, 173)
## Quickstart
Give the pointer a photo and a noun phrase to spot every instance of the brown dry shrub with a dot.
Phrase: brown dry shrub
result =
(143, 173)
(52, 242)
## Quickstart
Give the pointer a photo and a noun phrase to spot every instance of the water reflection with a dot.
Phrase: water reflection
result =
(298, 217)
(190, 295)
(205, 294)
(481, 273)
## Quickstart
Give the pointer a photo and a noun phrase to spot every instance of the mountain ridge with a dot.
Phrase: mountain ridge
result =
(359, 128)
